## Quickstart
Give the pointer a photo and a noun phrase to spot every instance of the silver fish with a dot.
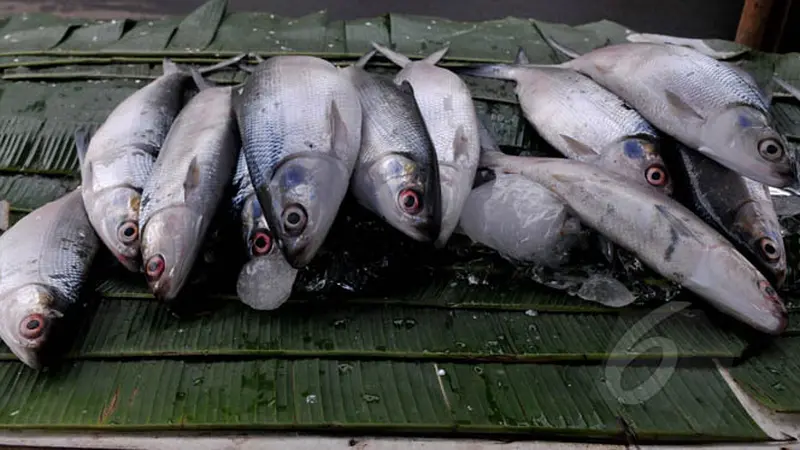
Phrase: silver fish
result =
(46, 257)
(584, 121)
(300, 123)
(662, 233)
(185, 188)
(266, 279)
(397, 173)
(739, 208)
(117, 161)
(705, 104)
(445, 103)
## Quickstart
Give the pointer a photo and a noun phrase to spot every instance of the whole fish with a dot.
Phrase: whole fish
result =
(397, 173)
(445, 103)
(46, 257)
(300, 122)
(662, 233)
(266, 279)
(739, 208)
(704, 103)
(185, 188)
(117, 161)
(584, 121)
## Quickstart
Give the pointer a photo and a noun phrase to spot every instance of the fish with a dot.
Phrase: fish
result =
(739, 208)
(397, 173)
(446, 106)
(5, 215)
(660, 232)
(46, 258)
(265, 280)
(706, 104)
(300, 122)
(187, 184)
(116, 161)
(584, 121)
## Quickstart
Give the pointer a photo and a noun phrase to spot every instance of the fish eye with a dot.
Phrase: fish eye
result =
(770, 149)
(656, 175)
(128, 232)
(32, 326)
(260, 243)
(769, 249)
(409, 201)
(294, 219)
(155, 267)
(768, 291)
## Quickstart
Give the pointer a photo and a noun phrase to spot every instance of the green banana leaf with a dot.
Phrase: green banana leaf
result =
(450, 355)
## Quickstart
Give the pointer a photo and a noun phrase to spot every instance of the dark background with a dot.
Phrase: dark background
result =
(690, 18)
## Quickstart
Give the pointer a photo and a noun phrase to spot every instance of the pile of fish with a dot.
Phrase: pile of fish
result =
(668, 154)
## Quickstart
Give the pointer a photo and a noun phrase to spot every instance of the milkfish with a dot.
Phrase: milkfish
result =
(584, 121)
(46, 258)
(186, 186)
(739, 208)
(116, 162)
(706, 104)
(266, 279)
(397, 173)
(445, 103)
(661, 232)
(300, 122)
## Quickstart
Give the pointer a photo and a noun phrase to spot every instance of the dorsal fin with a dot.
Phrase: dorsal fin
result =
(397, 58)
(522, 57)
(365, 59)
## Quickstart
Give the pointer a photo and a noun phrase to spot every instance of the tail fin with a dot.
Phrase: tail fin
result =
(201, 82)
(522, 57)
(223, 64)
(436, 56)
(169, 66)
(397, 58)
(365, 59)
(81, 138)
(572, 54)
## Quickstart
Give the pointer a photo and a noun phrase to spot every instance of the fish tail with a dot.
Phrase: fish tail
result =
(169, 66)
(436, 56)
(522, 57)
(568, 52)
(397, 58)
(223, 64)
(201, 82)
(496, 71)
(365, 59)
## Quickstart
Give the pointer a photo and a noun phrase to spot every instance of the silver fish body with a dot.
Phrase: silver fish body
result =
(397, 173)
(265, 280)
(445, 103)
(739, 208)
(185, 188)
(120, 158)
(706, 104)
(44, 262)
(300, 122)
(521, 220)
(662, 233)
(584, 121)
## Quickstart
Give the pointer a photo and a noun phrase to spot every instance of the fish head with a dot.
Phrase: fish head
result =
(736, 287)
(403, 194)
(742, 139)
(118, 212)
(28, 321)
(638, 158)
(170, 243)
(301, 203)
(266, 279)
(761, 233)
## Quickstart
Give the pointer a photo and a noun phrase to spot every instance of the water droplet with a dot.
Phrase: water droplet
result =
(478, 370)
(460, 344)
(340, 323)
(180, 395)
(469, 408)
(311, 399)
(441, 372)
(13, 413)
(531, 313)
(369, 398)
(369, 24)
(197, 381)
(345, 368)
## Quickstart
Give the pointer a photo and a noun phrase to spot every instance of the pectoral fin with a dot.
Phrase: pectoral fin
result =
(81, 138)
(339, 141)
(681, 108)
(192, 180)
(578, 148)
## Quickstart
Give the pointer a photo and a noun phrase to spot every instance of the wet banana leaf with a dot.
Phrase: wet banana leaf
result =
(771, 375)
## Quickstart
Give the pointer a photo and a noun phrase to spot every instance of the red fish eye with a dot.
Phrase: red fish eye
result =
(128, 232)
(409, 201)
(769, 249)
(154, 267)
(32, 326)
(261, 243)
(656, 175)
(768, 291)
